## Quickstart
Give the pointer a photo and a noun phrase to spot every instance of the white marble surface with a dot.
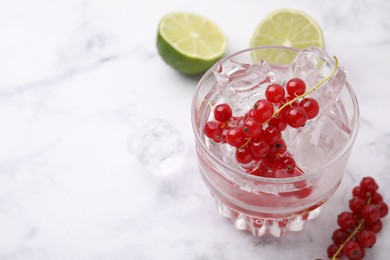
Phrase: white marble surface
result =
(78, 78)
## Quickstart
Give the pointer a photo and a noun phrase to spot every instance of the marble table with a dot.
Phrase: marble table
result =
(81, 80)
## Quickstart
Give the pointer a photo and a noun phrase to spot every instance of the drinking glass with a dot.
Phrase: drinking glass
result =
(265, 205)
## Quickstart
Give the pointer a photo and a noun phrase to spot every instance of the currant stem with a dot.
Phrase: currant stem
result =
(312, 89)
(355, 231)
(246, 143)
(348, 239)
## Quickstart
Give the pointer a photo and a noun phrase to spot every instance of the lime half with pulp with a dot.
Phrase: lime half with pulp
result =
(286, 27)
(189, 42)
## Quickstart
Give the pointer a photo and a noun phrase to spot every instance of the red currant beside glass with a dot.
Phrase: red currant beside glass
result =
(359, 227)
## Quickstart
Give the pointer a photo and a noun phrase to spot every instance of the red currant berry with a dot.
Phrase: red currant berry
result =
(376, 198)
(287, 108)
(370, 213)
(274, 93)
(279, 147)
(383, 209)
(244, 155)
(311, 107)
(278, 121)
(252, 128)
(223, 112)
(339, 236)
(332, 250)
(212, 129)
(270, 164)
(363, 254)
(296, 117)
(366, 238)
(375, 227)
(357, 192)
(236, 137)
(368, 184)
(218, 139)
(353, 250)
(262, 110)
(259, 149)
(303, 193)
(271, 135)
(295, 87)
(356, 204)
(346, 220)
(288, 163)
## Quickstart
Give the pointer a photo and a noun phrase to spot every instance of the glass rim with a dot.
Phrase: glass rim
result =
(261, 178)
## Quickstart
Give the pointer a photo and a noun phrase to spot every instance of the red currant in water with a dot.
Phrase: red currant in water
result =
(288, 163)
(279, 147)
(259, 149)
(212, 129)
(271, 135)
(311, 107)
(295, 87)
(366, 238)
(275, 93)
(244, 155)
(353, 250)
(296, 117)
(262, 110)
(223, 112)
(236, 137)
(252, 128)
(270, 162)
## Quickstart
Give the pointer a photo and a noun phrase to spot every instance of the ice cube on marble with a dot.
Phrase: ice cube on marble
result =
(158, 146)
(242, 83)
(312, 65)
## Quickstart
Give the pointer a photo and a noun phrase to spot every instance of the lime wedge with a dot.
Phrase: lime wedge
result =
(189, 42)
(286, 27)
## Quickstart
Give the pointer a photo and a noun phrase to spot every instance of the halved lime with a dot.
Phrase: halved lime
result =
(286, 27)
(189, 42)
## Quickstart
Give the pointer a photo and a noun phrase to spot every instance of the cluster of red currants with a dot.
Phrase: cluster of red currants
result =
(358, 227)
(257, 135)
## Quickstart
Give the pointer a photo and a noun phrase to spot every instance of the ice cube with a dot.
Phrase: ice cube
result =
(242, 83)
(158, 146)
(312, 65)
(318, 143)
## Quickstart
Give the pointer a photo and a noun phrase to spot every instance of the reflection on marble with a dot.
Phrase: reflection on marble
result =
(78, 77)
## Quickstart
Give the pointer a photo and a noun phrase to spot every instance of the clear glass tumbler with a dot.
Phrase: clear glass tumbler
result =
(264, 205)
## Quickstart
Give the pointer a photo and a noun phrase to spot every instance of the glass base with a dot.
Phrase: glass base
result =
(266, 226)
